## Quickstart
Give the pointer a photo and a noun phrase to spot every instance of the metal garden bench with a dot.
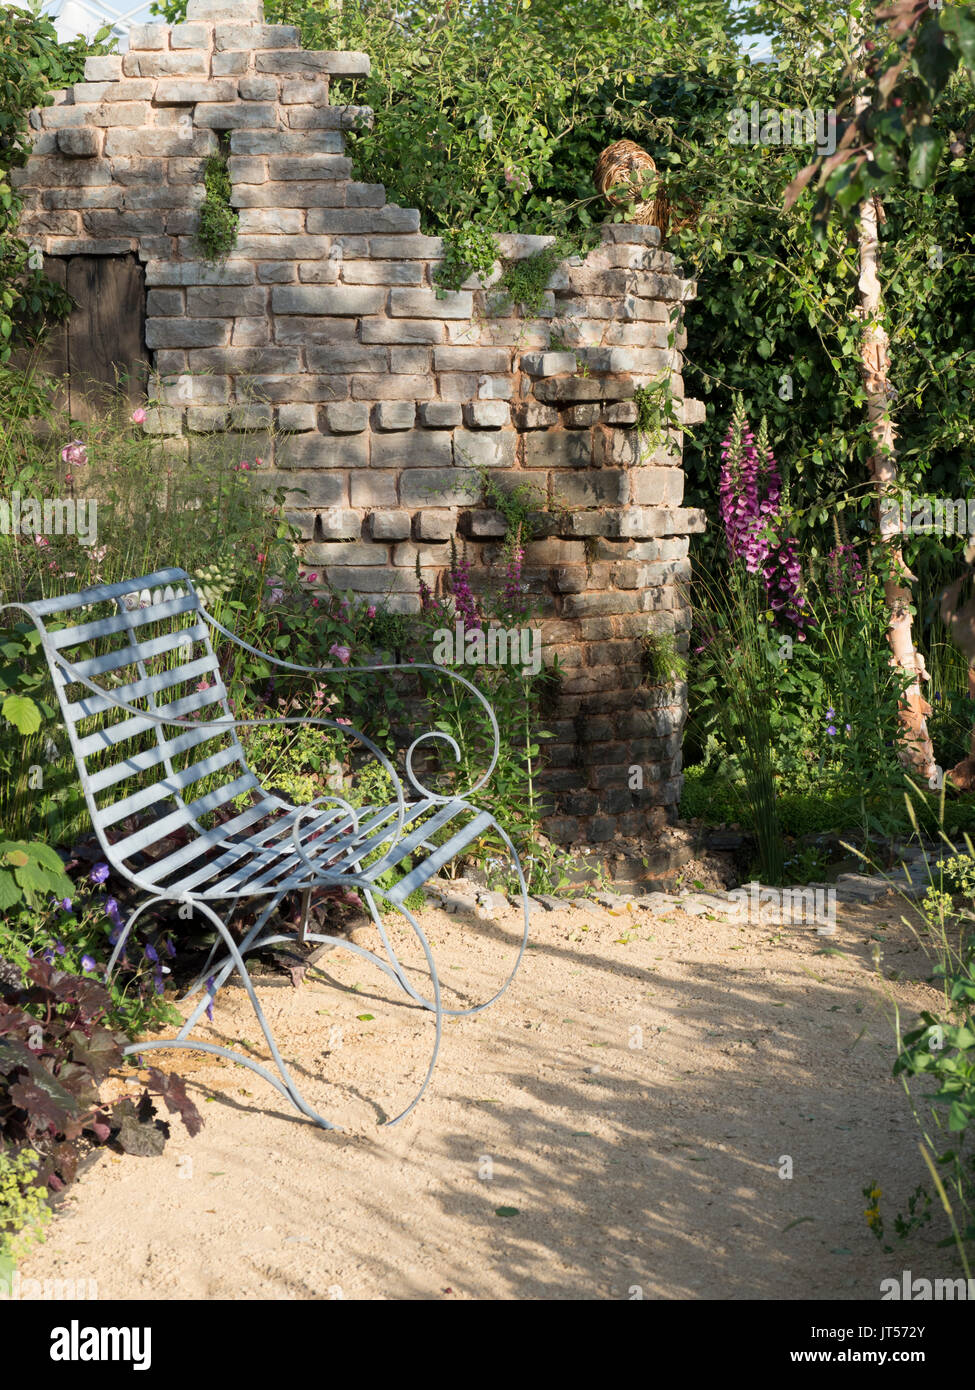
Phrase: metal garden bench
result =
(151, 638)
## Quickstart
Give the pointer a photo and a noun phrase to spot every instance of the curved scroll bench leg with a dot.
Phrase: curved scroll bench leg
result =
(394, 960)
(287, 1086)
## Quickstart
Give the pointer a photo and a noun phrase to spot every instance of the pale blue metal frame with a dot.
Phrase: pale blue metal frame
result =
(263, 864)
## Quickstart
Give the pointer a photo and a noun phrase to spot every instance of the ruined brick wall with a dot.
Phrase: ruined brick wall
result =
(384, 398)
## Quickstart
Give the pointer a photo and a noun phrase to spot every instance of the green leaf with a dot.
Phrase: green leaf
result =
(506, 1211)
(22, 712)
(925, 156)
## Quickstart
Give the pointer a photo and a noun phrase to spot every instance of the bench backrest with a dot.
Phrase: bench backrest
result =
(148, 642)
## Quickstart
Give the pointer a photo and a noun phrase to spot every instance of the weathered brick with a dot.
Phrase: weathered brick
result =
(306, 62)
(250, 36)
(430, 487)
(391, 388)
(310, 93)
(79, 144)
(103, 69)
(471, 359)
(94, 93)
(297, 417)
(406, 247)
(338, 221)
(283, 142)
(529, 415)
(558, 449)
(269, 221)
(303, 117)
(164, 303)
(347, 553)
(409, 361)
(338, 300)
(487, 415)
(175, 92)
(319, 489)
(548, 363)
(348, 357)
(289, 195)
(309, 167)
(347, 417)
(474, 449)
(657, 487)
(435, 524)
(424, 304)
(202, 302)
(147, 36)
(189, 62)
(189, 36)
(278, 273)
(381, 272)
(394, 415)
(440, 415)
(254, 88)
(401, 331)
(410, 449)
(389, 525)
(372, 489)
(166, 141)
(323, 451)
(237, 115)
(230, 64)
(318, 272)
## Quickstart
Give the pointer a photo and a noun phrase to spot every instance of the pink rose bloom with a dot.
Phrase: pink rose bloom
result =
(310, 578)
(42, 541)
(344, 721)
(371, 611)
(75, 454)
(203, 685)
(138, 416)
(260, 557)
(342, 653)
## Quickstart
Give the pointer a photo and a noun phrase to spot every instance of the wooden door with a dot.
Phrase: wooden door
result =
(100, 348)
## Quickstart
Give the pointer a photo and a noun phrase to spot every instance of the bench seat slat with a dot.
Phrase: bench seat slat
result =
(102, 593)
(106, 738)
(143, 651)
(175, 782)
(91, 705)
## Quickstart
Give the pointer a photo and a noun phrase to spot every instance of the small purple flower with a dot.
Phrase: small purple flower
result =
(211, 990)
(831, 713)
(831, 730)
(65, 904)
(59, 947)
(170, 948)
(99, 873)
(88, 963)
(112, 912)
(157, 981)
(151, 953)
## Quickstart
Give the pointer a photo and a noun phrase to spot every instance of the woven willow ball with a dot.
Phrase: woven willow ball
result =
(625, 166)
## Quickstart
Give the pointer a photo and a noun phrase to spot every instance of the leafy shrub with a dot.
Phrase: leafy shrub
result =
(32, 64)
(55, 1050)
(24, 1210)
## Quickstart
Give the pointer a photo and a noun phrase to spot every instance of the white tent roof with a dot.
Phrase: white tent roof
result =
(74, 17)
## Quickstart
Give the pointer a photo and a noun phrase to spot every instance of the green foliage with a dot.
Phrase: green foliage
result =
(217, 229)
(55, 1051)
(522, 284)
(467, 250)
(32, 64)
(24, 1209)
(29, 874)
(662, 663)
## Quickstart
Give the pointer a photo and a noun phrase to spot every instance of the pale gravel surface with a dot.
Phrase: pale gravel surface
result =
(653, 1167)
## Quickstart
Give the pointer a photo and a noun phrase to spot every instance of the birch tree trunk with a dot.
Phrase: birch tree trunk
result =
(917, 750)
